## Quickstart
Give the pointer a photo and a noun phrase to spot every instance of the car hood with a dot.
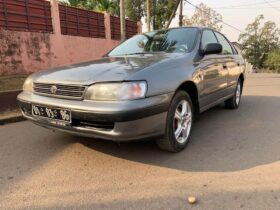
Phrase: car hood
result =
(102, 70)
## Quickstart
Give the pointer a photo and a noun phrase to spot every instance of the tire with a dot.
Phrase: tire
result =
(183, 121)
(234, 101)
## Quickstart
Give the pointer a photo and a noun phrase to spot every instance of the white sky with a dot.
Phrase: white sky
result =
(236, 15)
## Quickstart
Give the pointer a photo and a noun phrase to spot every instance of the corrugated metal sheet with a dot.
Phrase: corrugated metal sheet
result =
(26, 15)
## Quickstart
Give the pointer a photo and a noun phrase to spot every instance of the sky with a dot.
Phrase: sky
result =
(236, 15)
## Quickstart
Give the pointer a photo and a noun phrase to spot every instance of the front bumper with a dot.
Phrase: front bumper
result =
(118, 121)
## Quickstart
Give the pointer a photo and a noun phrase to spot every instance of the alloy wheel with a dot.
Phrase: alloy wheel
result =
(182, 121)
(238, 94)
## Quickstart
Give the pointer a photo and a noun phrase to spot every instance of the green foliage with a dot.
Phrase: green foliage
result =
(273, 60)
(110, 6)
(74, 3)
(205, 16)
(161, 12)
(134, 9)
(258, 40)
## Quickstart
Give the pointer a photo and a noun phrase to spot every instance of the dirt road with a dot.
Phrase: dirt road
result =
(232, 162)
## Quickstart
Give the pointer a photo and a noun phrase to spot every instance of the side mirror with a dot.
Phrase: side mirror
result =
(213, 48)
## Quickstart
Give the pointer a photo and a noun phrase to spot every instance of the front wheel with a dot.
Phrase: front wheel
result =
(179, 123)
(234, 101)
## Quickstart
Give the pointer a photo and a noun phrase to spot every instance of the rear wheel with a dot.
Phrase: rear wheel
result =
(234, 101)
(179, 123)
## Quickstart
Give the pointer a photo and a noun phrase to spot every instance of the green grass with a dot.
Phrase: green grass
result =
(8, 83)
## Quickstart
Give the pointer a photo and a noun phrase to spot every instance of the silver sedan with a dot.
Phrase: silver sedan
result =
(153, 85)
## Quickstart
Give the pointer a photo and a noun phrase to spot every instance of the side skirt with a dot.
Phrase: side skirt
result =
(202, 109)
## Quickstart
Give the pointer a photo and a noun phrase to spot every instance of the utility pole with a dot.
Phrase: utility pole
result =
(181, 14)
(148, 15)
(122, 19)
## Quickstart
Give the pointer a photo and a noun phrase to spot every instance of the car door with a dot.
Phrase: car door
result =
(230, 61)
(214, 72)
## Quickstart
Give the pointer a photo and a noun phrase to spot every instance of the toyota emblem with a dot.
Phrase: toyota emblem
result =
(53, 89)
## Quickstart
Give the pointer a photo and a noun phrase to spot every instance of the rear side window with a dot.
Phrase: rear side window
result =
(227, 49)
(207, 37)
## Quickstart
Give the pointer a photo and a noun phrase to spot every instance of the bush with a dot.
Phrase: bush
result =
(273, 60)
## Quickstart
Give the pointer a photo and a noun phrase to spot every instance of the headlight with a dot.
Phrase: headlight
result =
(116, 91)
(28, 85)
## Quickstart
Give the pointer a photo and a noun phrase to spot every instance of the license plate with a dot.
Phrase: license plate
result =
(55, 114)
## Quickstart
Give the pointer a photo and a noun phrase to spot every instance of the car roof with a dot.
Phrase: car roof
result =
(198, 27)
(181, 27)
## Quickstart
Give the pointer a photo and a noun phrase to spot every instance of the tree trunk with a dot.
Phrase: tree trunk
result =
(173, 14)
(122, 19)
(148, 15)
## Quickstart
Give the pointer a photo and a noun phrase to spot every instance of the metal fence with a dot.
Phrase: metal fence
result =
(26, 15)
(80, 22)
(131, 28)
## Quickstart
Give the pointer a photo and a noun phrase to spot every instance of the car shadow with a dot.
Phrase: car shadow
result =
(222, 140)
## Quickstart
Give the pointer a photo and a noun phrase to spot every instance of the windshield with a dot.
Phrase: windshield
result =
(170, 41)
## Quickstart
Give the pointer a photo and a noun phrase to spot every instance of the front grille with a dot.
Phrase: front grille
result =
(62, 91)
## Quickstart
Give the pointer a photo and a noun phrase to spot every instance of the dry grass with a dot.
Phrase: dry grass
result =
(11, 82)
(10, 114)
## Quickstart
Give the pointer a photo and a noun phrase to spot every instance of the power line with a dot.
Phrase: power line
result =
(246, 5)
(214, 17)
(271, 5)
(244, 8)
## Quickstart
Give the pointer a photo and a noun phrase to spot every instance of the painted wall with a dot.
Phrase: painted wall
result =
(26, 52)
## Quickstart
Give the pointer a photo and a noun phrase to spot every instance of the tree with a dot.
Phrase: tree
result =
(148, 13)
(134, 9)
(173, 14)
(122, 20)
(110, 6)
(258, 40)
(161, 10)
(74, 3)
(90, 4)
(205, 16)
(273, 60)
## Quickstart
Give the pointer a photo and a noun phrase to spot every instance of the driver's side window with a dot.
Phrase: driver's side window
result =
(207, 37)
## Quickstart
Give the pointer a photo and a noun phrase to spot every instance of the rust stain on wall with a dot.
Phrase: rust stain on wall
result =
(38, 47)
(20, 51)
(10, 53)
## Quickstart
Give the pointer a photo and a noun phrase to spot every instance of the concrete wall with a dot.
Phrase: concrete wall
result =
(26, 52)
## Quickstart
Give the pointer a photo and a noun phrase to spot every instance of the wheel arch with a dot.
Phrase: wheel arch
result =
(191, 88)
